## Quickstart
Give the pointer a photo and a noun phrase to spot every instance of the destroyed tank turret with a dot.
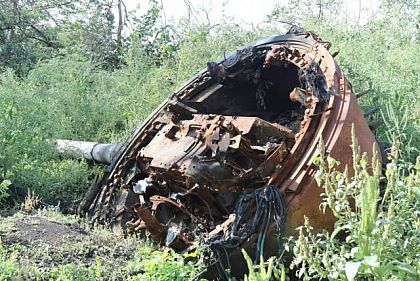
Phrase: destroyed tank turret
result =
(227, 159)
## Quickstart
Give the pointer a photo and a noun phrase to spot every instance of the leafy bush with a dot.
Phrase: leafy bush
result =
(4, 190)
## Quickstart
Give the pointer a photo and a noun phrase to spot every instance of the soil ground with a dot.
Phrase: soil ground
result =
(47, 240)
(35, 230)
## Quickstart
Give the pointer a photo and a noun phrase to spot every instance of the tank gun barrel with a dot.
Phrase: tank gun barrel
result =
(102, 153)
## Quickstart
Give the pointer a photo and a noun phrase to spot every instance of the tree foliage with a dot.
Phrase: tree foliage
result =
(95, 30)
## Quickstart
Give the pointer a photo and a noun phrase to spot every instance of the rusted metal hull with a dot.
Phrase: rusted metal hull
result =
(332, 122)
(239, 138)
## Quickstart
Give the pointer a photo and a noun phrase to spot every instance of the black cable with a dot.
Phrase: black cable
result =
(261, 203)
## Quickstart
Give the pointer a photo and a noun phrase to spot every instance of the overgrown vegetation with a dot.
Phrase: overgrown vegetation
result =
(380, 243)
(82, 75)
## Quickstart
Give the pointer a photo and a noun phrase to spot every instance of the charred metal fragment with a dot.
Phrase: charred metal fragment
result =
(362, 93)
(254, 212)
(157, 230)
(370, 112)
(294, 29)
(375, 125)
(314, 80)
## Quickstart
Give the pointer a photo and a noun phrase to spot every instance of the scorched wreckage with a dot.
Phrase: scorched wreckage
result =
(227, 160)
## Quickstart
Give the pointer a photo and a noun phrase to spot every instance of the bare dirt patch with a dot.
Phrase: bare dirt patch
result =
(35, 230)
(47, 241)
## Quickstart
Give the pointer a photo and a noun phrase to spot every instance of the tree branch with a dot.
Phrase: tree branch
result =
(44, 38)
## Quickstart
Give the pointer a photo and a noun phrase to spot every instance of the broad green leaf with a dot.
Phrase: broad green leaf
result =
(351, 269)
(371, 260)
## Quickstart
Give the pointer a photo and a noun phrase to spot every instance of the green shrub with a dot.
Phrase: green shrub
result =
(4, 190)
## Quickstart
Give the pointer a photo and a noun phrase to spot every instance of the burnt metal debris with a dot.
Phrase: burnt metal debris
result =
(228, 159)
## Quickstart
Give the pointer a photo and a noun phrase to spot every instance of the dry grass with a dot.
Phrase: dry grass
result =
(30, 203)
